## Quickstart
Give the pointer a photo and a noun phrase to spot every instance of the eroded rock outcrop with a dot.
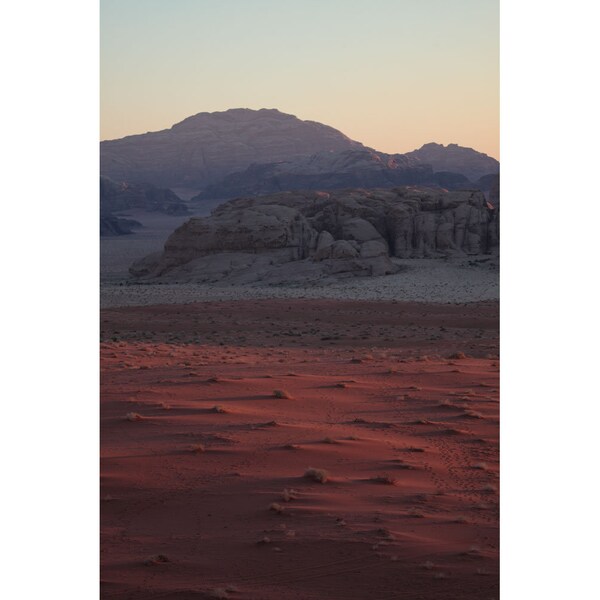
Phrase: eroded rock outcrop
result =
(298, 236)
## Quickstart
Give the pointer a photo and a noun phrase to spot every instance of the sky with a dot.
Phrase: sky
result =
(392, 74)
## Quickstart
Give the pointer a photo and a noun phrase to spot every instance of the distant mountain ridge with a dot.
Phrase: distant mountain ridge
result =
(206, 147)
(116, 197)
(361, 168)
(251, 152)
(456, 159)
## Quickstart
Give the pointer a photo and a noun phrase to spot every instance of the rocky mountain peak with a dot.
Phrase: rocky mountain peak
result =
(207, 146)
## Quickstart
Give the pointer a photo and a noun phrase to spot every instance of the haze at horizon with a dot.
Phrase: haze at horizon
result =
(393, 75)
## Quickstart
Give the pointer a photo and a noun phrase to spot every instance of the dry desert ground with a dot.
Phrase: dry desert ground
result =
(300, 449)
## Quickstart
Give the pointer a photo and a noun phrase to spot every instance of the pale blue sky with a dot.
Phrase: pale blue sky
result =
(392, 74)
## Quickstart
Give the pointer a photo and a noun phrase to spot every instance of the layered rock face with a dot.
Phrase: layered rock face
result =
(280, 231)
(208, 146)
(304, 236)
(456, 159)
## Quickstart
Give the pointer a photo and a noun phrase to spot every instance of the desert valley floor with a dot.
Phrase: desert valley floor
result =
(300, 449)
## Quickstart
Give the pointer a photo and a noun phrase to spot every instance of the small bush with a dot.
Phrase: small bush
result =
(263, 541)
(276, 507)
(289, 495)
(319, 475)
(282, 394)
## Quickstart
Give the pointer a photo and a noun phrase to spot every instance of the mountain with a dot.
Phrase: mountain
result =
(243, 152)
(206, 147)
(362, 168)
(115, 197)
(456, 159)
(110, 225)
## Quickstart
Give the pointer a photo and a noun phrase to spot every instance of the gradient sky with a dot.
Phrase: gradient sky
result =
(392, 74)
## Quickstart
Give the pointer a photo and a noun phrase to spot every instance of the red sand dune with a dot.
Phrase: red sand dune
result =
(199, 502)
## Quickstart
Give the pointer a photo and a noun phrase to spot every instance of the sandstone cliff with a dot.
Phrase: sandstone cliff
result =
(300, 236)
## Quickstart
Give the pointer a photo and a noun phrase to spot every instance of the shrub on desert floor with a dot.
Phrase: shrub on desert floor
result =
(457, 356)
(133, 416)
(218, 409)
(282, 394)
(276, 507)
(289, 495)
(319, 475)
